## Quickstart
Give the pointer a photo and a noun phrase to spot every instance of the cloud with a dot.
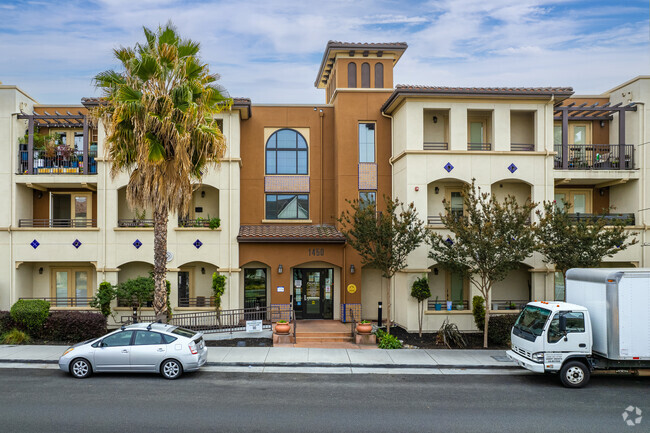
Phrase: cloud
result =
(270, 51)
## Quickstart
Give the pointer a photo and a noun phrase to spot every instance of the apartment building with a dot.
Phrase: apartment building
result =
(287, 175)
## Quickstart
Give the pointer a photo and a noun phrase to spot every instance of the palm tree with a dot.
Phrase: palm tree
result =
(159, 118)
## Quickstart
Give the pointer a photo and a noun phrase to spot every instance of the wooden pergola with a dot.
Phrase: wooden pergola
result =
(56, 120)
(594, 112)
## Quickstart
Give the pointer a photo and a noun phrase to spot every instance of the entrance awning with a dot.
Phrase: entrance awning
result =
(290, 234)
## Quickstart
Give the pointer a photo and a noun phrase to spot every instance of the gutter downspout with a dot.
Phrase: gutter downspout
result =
(322, 173)
(643, 184)
(392, 193)
(230, 189)
(12, 267)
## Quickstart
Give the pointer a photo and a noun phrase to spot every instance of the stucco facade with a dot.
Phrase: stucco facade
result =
(288, 173)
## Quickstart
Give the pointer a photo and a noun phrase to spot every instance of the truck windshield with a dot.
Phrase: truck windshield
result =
(532, 320)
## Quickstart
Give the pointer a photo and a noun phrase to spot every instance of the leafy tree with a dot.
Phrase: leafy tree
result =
(488, 240)
(218, 288)
(102, 300)
(570, 242)
(136, 292)
(478, 311)
(420, 291)
(159, 116)
(383, 239)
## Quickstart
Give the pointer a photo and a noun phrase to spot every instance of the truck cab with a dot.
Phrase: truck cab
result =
(551, 337)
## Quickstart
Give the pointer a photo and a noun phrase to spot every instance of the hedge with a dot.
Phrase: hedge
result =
(6, 322)
(30, 314)
(500, 327)
(73, 326)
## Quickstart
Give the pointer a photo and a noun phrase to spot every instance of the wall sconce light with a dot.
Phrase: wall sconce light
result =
(602, 123)
(202, 194)
(435, 271)
(436, 190)
(601, 192)
(417, 188)
(40, 194)
(352, 269)
(40, 271)
(279, 269)
(203, 271)
(500, 185)
(435, 119)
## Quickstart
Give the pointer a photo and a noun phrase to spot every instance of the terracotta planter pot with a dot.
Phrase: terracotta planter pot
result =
(364, 328)
(282, 328)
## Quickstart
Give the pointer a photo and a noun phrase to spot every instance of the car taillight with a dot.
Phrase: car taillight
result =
(192, 347)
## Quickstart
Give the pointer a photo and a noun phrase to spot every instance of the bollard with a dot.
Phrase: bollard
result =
(379, 314)
(135, 315)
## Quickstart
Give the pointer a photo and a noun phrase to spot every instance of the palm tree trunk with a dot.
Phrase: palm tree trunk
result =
(160, 264)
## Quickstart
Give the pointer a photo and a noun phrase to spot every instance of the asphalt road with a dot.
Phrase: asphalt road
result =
(51, 401)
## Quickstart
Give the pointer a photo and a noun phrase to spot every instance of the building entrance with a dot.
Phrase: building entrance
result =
(313, 293)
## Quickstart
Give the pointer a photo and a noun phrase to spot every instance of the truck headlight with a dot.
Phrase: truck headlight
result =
(538, 357)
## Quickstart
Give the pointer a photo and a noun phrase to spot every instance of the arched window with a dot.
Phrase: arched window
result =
(365, 75)
(286, 153)
(379, 75)
(352, 74)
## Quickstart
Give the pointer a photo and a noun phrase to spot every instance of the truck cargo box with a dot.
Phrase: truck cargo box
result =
(618, 301)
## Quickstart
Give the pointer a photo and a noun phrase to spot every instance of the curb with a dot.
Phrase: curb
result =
(308, 364)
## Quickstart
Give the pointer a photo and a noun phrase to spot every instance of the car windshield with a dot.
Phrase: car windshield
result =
(532, 320)
(184, 332)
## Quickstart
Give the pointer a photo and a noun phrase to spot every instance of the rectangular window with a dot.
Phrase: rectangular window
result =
(71, 209)
(367, 198)
(476, 132)
(456, 203)
(366, 142)
(580, 200)
(557, 134)
(287, 206)
(254, 288)
(71, 287)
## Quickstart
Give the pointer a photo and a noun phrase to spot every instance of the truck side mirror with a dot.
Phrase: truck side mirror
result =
(562, 324)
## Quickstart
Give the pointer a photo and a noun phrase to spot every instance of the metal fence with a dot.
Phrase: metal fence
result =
(595, 157)
(442, 305)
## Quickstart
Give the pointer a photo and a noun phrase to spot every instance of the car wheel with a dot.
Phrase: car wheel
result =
(171, 369)
(574, 374)
(80, 368)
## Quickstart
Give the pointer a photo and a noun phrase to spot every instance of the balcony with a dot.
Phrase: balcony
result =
(628, 218)
(135, 222)
(442, 305)
(57, 223)
(198, 301)
(483, 147)
(522, 147)
(436, 145)
(68, 162)
(66, 302)
(595, 157)
(212, 223)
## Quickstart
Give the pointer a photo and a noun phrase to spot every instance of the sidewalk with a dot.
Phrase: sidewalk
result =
(310, 360)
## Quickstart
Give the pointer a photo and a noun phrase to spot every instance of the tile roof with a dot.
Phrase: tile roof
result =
(290, 233)
(236, 102)
(405, 89)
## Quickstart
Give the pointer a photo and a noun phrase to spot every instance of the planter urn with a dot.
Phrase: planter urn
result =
(282, 328)
(364, 328)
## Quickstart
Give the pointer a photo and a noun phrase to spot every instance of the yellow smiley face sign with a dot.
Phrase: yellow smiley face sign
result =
(352, 288)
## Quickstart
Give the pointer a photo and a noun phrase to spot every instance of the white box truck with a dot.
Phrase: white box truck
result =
(605, 324)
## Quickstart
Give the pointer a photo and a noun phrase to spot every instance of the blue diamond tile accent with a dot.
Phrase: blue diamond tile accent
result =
(76, 243)
(34, 244)
(449, 241)
(449, 167)
(137, 244)
(197, 243)
(512, 167)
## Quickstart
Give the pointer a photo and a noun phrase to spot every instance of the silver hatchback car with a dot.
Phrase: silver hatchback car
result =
(142, 347)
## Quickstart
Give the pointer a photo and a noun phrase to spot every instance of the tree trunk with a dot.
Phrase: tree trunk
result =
(485, 325)
(387, 307)
(420, 314)
(160, 264)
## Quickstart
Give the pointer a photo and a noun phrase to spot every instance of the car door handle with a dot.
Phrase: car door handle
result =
(125, 351)
(161, 350)
(582, 345)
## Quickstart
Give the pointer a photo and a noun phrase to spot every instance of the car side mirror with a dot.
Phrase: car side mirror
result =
(562, 324)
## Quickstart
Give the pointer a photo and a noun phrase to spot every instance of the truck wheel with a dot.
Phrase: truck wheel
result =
(574, 374)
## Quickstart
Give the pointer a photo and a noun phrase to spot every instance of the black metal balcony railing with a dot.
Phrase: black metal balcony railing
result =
(509, 304)
(76, 301)
(479, 146)
(522, 147)
(628, 218)
(436, 145)
(134, 222)
(199, 301)
(434, 219)
(58, 223)
(595, 157)
(441, 305)
(199, 222)
(57, 164)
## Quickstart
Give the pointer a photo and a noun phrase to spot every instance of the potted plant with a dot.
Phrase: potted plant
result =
(364, 327)
(438, 305)
(282, 327)
(512, 306)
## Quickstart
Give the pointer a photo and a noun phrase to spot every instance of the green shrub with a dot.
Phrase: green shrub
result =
(500, 327)
(218, 288)
(478, 310)
(15, 336)
(387, 341)
(30, 314)
(73, 326)
(102, 300)
(136, 292)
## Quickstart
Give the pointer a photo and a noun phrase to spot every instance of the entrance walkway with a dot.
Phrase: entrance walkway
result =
(325, 334)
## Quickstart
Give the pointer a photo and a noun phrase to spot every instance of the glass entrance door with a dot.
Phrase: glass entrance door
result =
(313, 293)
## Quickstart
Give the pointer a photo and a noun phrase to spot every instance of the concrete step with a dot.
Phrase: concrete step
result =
(322, 334)
(323, 339)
